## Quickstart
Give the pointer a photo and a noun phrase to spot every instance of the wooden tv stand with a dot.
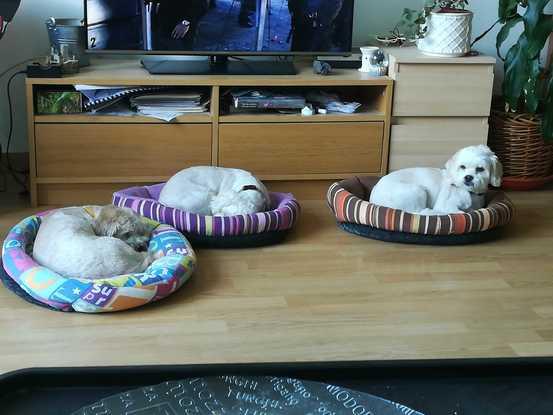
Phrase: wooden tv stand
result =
(83, 158)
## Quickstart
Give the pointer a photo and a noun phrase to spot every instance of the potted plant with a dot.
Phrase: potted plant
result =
(441, 28)
(521, 127)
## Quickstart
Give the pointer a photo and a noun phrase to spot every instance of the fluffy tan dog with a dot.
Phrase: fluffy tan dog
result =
(74, 244)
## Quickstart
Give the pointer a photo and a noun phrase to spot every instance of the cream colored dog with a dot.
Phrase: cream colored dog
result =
(218, 191)
(461, 186)
(73, 244)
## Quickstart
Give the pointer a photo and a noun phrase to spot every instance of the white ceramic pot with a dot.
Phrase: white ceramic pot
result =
(448, 34)
(373, 61)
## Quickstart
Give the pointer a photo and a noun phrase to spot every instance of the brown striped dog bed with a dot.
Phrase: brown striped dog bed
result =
(348, 200)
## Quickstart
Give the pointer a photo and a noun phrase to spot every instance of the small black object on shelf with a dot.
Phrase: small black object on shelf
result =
(37, 70)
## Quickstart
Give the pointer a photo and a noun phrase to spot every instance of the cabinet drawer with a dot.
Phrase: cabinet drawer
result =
(443, 90)
(430, 142)
(302, 149)
(119, 150)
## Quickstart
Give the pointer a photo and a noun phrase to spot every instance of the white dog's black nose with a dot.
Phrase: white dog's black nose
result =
(469, 178)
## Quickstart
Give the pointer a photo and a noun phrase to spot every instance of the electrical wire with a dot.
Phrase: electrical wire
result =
(14, 172)
(15, 66)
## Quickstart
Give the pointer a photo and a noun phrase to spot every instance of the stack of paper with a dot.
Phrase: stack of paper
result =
(171, 105)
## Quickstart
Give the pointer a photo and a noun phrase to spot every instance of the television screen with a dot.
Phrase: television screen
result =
(220, 26)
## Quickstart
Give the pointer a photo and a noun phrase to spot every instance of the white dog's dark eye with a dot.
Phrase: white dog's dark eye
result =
(462, 167)
(480, 169)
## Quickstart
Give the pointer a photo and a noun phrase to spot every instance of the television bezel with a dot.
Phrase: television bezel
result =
(215, 53)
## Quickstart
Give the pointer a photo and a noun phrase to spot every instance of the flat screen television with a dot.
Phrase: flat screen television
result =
(219, 29)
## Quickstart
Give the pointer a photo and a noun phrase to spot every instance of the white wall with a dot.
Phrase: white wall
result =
(27, 38)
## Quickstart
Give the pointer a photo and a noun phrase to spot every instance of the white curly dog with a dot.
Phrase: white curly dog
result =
(460, 186)
(217, 191)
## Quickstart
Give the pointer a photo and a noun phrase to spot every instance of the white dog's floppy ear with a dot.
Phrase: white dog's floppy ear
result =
(450, 165)
(496, 170)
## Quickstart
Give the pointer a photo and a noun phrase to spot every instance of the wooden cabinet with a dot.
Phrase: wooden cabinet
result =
(442, 90)
(82, 158)
(440, 105)
(286, 150)
(115, 150)
(430, 141)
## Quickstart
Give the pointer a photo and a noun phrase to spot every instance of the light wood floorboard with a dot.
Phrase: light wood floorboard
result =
(324, 295)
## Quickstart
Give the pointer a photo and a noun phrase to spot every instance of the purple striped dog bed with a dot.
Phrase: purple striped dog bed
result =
(348, 200)
(258, 229)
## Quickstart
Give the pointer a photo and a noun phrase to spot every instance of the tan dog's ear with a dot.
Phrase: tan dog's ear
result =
(107, 222)
(496, 171)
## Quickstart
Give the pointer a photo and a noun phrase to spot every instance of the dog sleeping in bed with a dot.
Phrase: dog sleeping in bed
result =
(461, 186)
(215, 191)
(105, 243)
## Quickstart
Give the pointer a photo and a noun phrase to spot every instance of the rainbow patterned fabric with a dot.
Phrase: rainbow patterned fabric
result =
(175, 262)
(144, 201)
(348, 200)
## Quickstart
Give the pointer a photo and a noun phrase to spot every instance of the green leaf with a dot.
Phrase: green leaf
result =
(507, 8)
(547, 125)
(504, 32)
(538, 34)
(531, 90)
(516, 73)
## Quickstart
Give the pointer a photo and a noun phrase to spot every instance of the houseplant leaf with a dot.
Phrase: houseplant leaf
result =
(516, 73)
(538, 27)
(548, 111)
(507, 8)
(531, 91)
(504, 32)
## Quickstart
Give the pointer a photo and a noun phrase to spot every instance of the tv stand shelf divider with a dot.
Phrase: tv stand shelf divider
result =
(83, 158)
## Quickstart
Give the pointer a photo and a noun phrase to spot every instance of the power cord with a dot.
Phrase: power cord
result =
(22, 181)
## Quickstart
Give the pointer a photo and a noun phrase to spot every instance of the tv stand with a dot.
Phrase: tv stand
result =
(216, 65)
(83, 158)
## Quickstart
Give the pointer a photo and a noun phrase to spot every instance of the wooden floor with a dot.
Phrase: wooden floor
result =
(323, 295)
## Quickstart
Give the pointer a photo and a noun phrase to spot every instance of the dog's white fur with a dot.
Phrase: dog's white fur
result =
(217, 191)
(432, 191)
(66, 243)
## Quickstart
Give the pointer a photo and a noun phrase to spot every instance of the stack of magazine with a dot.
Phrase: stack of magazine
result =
(168, 106)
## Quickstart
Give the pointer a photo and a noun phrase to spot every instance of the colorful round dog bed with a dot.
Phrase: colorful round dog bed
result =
(348, 200)
(175, 262)
(240, 231)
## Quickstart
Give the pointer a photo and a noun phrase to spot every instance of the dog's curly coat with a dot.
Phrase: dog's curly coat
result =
(460, 186)
(76, 245)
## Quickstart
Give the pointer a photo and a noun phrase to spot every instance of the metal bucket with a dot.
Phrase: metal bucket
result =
(70, 32)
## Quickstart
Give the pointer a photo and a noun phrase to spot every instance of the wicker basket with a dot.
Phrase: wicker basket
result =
(517, 140)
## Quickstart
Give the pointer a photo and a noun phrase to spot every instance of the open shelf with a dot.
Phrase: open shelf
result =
(86, 117)
(367, 115)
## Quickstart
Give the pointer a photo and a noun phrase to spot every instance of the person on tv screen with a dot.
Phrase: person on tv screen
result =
(174, 23)
(246, 17)
(313, 24)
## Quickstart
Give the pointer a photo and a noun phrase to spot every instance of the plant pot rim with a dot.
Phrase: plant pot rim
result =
(516, 113)
(452, 13)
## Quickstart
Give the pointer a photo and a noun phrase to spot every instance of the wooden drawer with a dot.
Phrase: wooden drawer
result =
(431, 141)
(285, 149)
(120, 150)
(442, 90)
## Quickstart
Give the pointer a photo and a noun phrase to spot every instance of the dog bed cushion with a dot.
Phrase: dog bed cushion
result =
(348, 200)
(239, 231)
(175, 262)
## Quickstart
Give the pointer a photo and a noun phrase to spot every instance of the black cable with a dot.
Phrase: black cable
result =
(14, 173)
(15, 66)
